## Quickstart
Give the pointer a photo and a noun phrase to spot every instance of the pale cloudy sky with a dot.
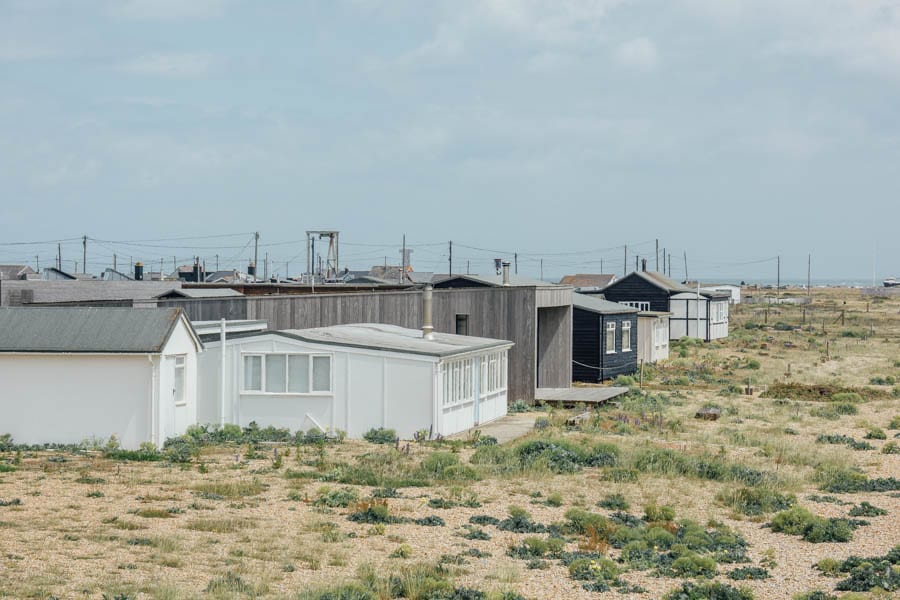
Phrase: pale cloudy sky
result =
(734, 130)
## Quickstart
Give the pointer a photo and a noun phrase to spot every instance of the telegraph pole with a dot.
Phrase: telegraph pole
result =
(516, 262)
(83, 253)
(657, 255)
(664, 261)
(114, 263)
(809, 276)
(778, 280)
(59, 256)
(685, 266)
(451, 258)
(255, 255)
(542, 269)
(625, 264)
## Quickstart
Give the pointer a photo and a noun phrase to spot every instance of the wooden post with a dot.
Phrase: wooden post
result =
(842, 318)
(642, 373)
(827, 350)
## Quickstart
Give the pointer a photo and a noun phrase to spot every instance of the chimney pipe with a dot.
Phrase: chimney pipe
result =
(428, 326)
(644, 265)
(139, 271)
(505, 272)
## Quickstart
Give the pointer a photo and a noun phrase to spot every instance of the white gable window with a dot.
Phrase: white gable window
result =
(626, 336)
(645, 306)
(720, 312)
(178, 387)
(279, 373)
(610, 338)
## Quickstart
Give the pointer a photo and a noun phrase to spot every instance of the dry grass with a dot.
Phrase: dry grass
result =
(171, 533)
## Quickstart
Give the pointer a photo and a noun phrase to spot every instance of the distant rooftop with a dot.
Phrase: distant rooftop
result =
(200, 292)
(588, 280)
(378, 336)
(493, 280)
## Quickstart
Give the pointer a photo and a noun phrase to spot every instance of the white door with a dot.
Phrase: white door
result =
(179, 396)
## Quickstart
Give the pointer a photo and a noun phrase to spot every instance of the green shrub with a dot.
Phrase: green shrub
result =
(381, 436)
(430, 521)
(586, 569)
(829, 566)
(374, 511)
(890, 448)
(864, 509)
(614, 502)
(895, 423)
(815, 595)
(580, 521)
(336, 498)
(852, 397)
(625, 381)
(879, 380)
(756, 501)
(519, 521)
(868, 576)
(744, 573)
(708, 591)
(844, 481)
(876, 434)
(654, 513)
(799, 521)
(691, 564)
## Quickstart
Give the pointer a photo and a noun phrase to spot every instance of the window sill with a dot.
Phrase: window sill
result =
(285, 394)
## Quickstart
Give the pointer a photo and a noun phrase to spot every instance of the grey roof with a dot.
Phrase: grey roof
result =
(8, 272)
(200, 293)
(378, 336)
(92, 330)
(588, 280)
(601, 306)
(496, 280)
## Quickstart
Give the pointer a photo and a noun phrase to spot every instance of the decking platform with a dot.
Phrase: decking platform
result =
(576, 395)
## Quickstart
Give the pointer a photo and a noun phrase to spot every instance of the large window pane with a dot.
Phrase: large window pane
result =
(275, 371)
(321, 373)
(253, 373)
(298, 374)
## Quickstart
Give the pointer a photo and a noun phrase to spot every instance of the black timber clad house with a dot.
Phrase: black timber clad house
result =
(651, 291)
(604, 339)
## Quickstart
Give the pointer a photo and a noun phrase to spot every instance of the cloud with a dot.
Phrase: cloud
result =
(165, 10)
(176, 65)
(639, 53)
(558, 23)
(20, 50)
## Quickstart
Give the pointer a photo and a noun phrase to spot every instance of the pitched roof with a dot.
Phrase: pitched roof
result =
(601, 306)
(378, 336)
(8, 272)
(91, 330)
(494, 280)
(588, 280)
(200, 293)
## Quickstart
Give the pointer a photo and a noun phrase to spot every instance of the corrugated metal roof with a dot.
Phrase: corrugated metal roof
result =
(597, 305)
(8, 272)
(201, 293)
(115, 330)
(662, 281)
(378, 336)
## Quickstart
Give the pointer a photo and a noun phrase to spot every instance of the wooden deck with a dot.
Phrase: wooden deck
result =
(575, 395)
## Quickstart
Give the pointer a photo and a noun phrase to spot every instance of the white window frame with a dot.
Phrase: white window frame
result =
(626, 336)
(610, 329)
(638, 304)
(287, 355)
(459, 382)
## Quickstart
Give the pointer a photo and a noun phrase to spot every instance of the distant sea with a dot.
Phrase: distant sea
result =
(815, 282)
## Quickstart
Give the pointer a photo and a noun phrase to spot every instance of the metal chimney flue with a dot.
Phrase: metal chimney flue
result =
(428, 325)
(644, 265)
(505, 272)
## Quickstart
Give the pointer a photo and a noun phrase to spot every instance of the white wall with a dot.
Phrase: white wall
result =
(647, 350)
(65, 398)
(174, 420)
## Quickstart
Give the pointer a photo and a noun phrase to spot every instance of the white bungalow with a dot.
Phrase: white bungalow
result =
(68, 374)
(653, 336)
(353, 378)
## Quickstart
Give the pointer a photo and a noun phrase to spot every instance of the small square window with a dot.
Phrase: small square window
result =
(462, 324)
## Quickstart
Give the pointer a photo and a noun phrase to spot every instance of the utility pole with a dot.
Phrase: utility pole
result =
(83, 253)
(59, 256)
(217, 262)
(114, 263)
(266, 267)
(542, 269)
(664, 261)
(809, 276)
(515, 261)
(636, 257)
(625, 263)
(467, 267)
(657, 255)
(685, 266)
(403, 261)
(670, 265)
(601, 265)
(255, 255)
(778, 280)
(37, 263)
(451, 258)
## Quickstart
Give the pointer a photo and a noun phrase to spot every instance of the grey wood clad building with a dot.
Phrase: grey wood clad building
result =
(537, 317)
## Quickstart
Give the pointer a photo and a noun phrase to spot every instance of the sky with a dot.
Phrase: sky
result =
(733, 131)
